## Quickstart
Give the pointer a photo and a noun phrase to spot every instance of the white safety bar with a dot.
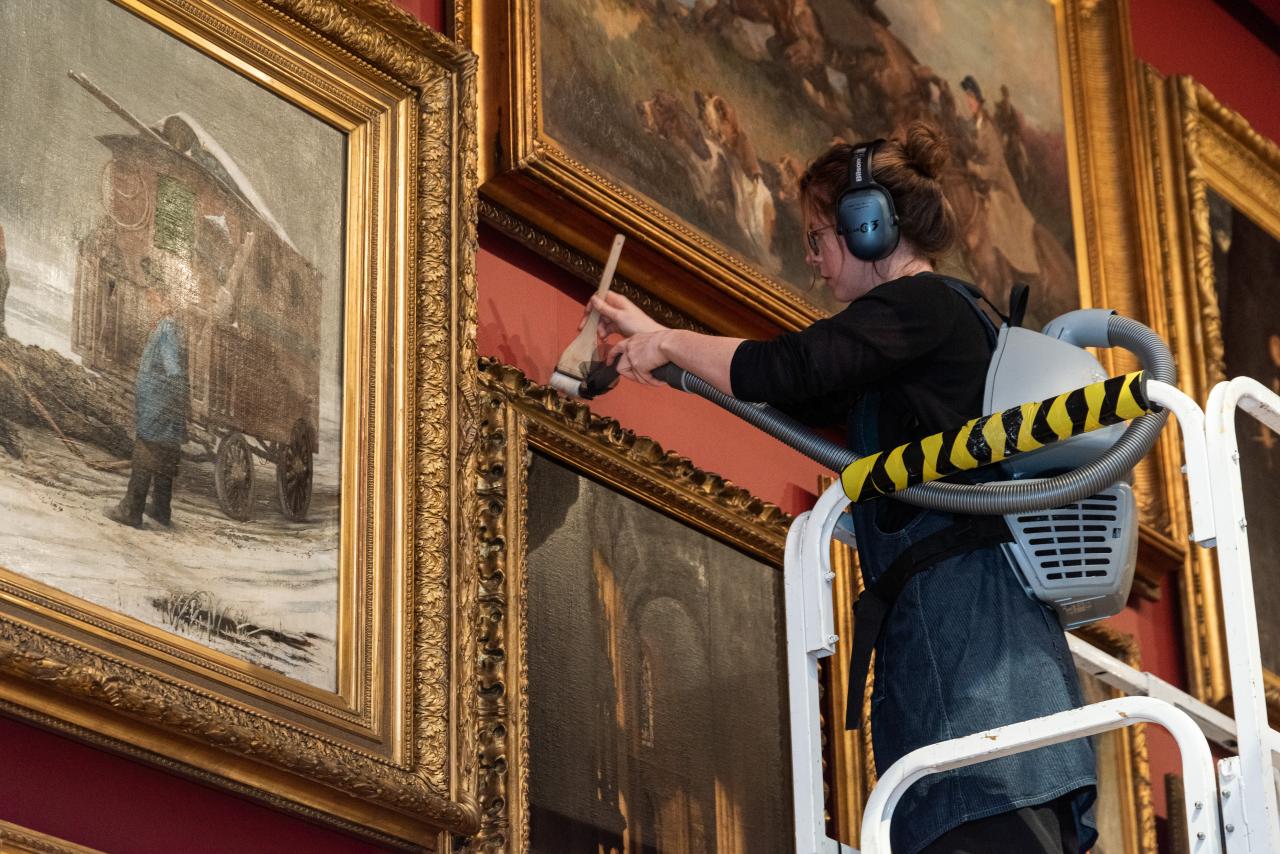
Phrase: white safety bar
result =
(807, 579)
(1191, 422)
(1197, 762)
(1110, 670)
(1259, 829)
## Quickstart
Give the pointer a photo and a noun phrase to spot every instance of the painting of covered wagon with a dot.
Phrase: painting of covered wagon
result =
(181, 222)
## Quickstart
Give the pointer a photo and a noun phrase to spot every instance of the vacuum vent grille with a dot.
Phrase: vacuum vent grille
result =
(1079, 541)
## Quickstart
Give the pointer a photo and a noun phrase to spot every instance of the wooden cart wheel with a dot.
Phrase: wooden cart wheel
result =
(294, 470)
(233, 477)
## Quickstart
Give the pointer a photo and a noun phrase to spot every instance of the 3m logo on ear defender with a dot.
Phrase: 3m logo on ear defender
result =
(869, 226)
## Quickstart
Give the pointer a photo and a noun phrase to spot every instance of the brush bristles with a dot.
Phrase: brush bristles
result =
(566, 384)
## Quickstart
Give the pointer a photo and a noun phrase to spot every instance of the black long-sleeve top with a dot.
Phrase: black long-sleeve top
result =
(914, 339)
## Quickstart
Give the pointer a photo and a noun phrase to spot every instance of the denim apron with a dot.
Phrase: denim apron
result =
(962, 650)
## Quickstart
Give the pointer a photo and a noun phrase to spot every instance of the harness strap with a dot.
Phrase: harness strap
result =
(971, 295)
(967, 534)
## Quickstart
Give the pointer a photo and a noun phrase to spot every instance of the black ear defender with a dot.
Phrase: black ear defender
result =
(864, 211)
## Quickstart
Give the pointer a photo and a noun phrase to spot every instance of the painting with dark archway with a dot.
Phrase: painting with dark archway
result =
(657, 699)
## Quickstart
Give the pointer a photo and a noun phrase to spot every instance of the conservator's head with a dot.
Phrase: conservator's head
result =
(909, 165)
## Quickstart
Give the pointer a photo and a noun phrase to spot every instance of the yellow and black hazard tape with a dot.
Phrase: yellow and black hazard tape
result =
(997, 436)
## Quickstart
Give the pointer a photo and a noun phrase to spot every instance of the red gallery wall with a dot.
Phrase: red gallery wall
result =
(528, 310)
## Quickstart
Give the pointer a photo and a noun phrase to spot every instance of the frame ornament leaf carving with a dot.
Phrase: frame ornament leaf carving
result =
(391, 755)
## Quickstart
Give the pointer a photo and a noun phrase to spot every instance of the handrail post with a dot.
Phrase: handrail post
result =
(1244, 655)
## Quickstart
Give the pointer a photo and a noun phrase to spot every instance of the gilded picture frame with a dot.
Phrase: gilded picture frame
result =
(21, 840)
(569, 210)
(1207, 155)
(525, 169)
(520, 418)
(388, 753)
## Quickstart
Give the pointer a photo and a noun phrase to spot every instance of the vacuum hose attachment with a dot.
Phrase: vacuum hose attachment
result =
(1042, 494)
(999, 498)
(777, 424)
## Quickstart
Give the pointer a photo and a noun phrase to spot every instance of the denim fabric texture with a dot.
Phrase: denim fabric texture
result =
(965, 649)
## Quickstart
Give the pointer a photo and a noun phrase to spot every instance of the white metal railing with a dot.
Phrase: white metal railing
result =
(1259, 828)
(807, 579)
(1197, 762)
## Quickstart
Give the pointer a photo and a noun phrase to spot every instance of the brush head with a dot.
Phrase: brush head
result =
(562, 382)
(584, 351)
(599, 378)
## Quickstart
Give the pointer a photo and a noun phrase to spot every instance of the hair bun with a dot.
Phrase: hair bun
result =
(925, 148)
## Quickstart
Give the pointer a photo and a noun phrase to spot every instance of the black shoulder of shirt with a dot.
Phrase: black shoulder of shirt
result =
(918, 291)
(922, 302)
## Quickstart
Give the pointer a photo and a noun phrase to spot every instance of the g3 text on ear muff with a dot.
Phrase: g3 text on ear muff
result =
(864, 212)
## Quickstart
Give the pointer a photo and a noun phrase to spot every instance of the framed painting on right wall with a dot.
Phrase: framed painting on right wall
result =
(1218, 192)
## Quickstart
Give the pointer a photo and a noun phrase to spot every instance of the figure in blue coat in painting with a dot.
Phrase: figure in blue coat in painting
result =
(161, 403)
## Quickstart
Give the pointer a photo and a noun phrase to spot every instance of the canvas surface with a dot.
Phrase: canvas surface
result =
(205, 199)
(657, 695)
(713, 110)
(1245, 260)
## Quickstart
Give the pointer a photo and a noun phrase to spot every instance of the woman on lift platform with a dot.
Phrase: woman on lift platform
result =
(960, 647)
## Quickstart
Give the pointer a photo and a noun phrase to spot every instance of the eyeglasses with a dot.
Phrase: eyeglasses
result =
(812, 234)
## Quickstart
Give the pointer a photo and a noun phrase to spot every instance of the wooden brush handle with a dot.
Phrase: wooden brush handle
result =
(606, 278)
(583, 349)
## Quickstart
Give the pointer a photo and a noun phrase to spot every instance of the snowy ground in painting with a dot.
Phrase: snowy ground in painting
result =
(271, 584)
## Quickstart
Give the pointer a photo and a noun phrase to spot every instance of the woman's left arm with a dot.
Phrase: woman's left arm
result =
(708, 356)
